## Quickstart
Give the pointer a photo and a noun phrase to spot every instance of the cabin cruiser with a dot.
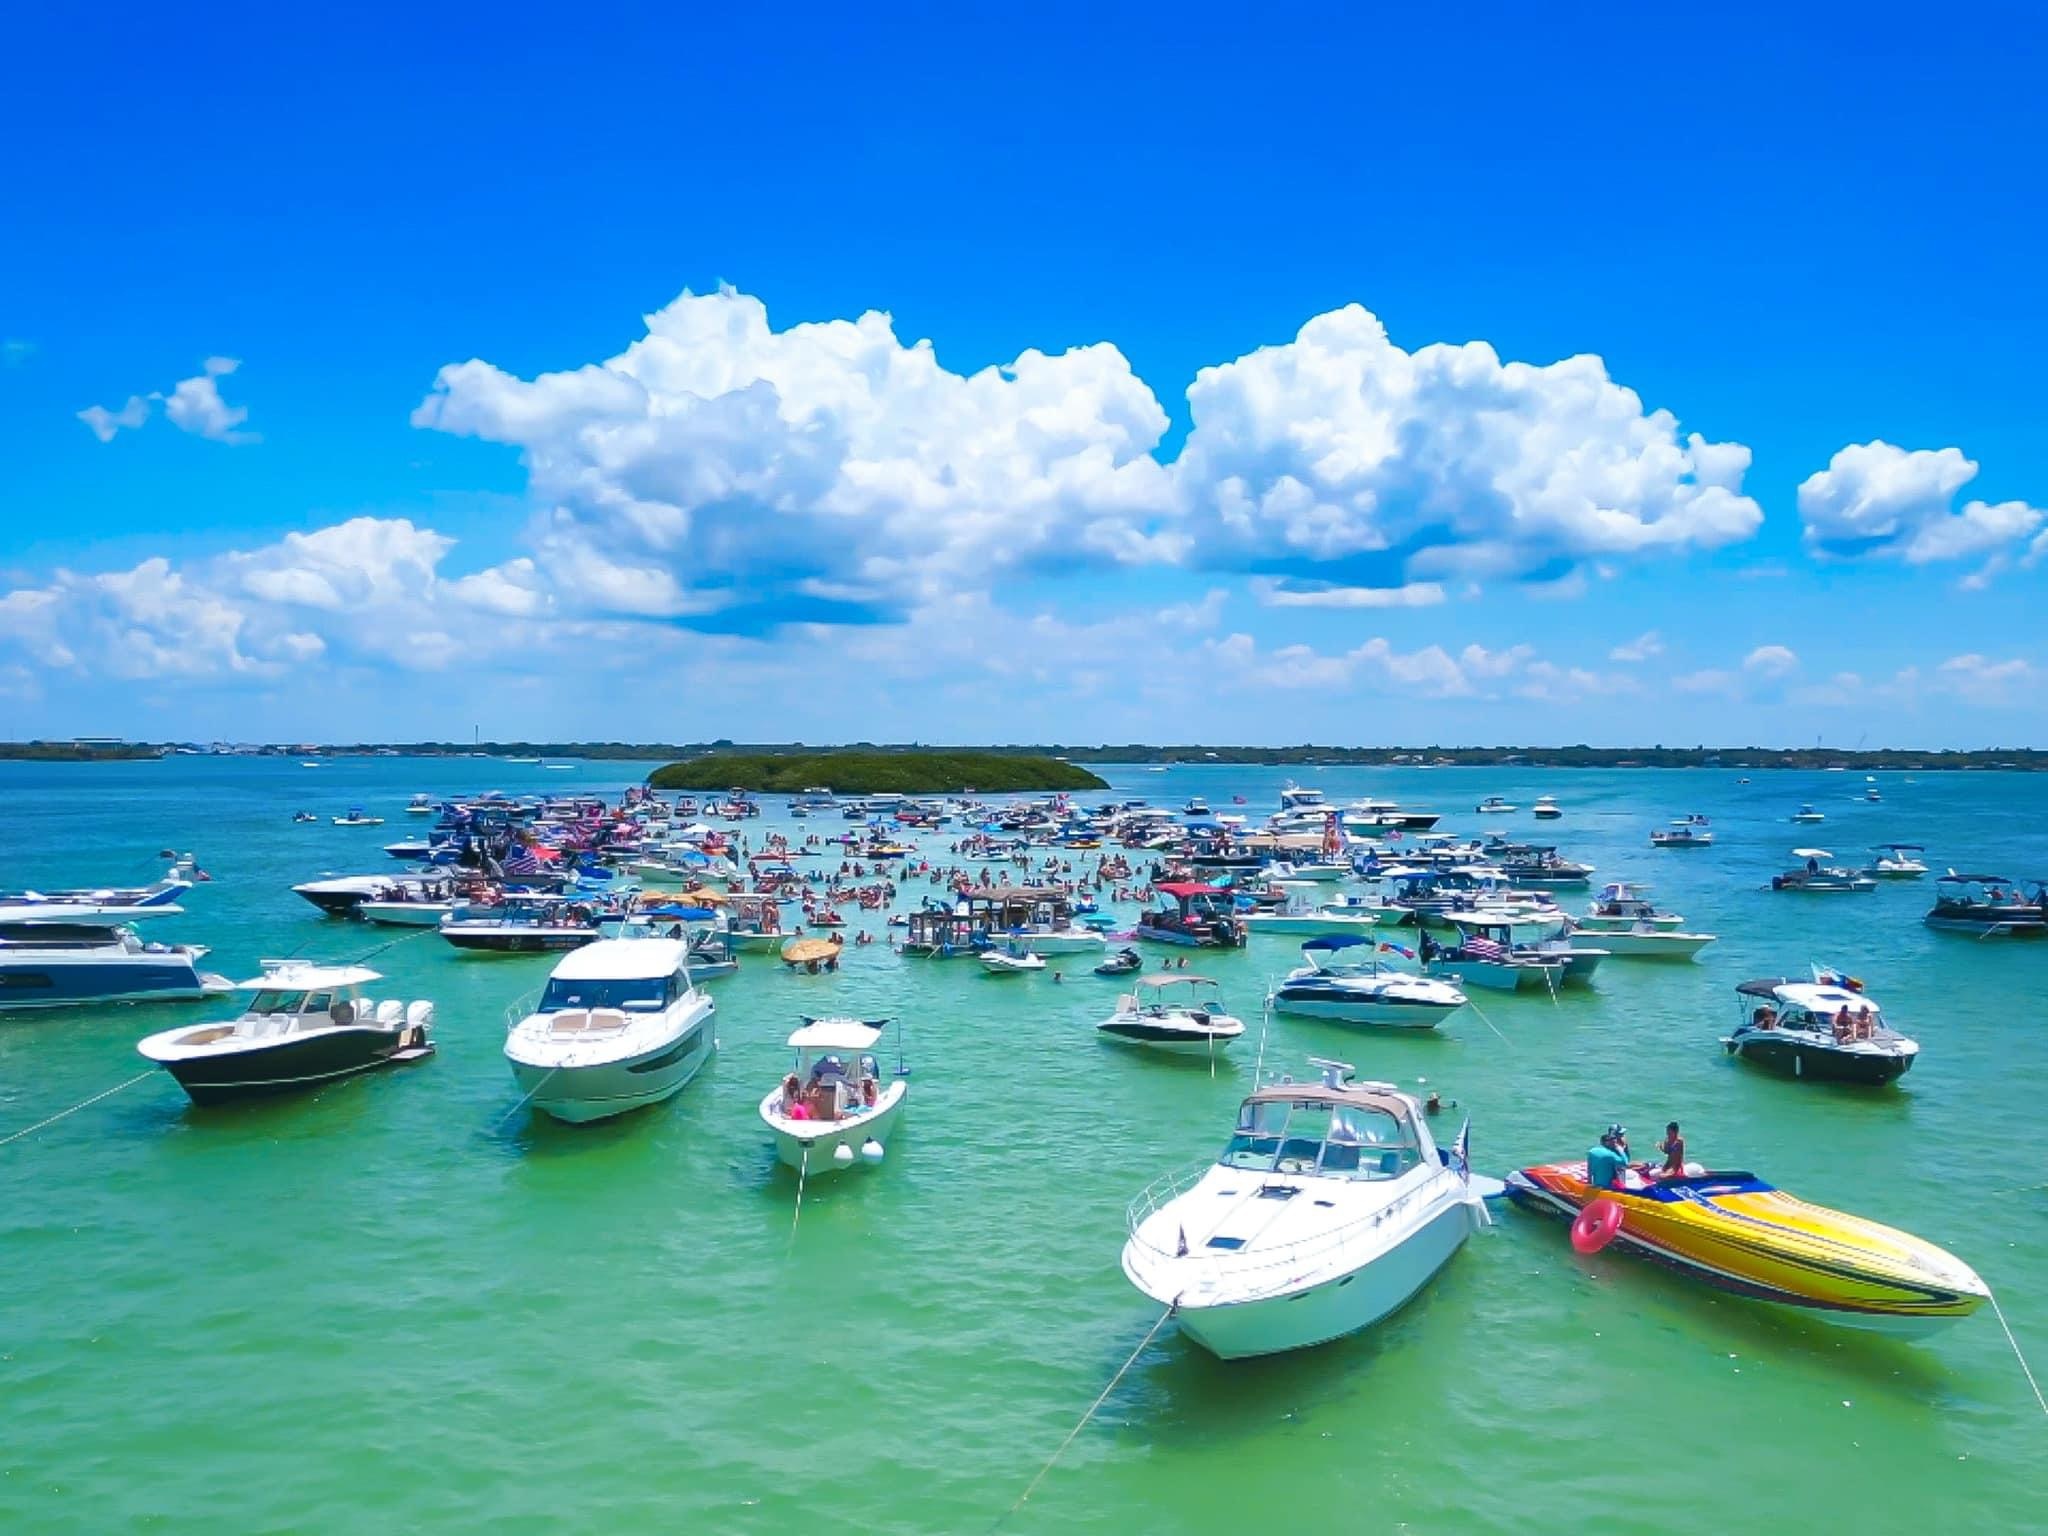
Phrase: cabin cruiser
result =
(1494, 805)
(1625, 907)
(1483, 955)
(1686, 832)
(1741, 1234)
(836, 1109)
(1818, 878)
(1201, 916)
(1176, 1012)
(305, 1024)
(1989, 906)
(1362, 990)
(1825, 1028)
(176, 881)
(1546, 808)
(1294, 798)
(1196, 806)
(1329, 1208)
(521, 925)
(56, 954)
(344, 895)
(618, 1026)
(1896, 861)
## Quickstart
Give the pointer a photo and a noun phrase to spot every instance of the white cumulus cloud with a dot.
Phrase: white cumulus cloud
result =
(193, 405)
(1644, 647)
(1875, 500)
(1770, 661)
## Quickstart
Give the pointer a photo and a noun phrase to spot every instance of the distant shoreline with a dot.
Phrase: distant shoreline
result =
(1890, 760)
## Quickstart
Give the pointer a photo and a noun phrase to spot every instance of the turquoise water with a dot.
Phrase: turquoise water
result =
(389, 1306)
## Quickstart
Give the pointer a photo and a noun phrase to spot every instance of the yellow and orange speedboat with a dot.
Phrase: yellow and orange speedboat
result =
(1737, 1232)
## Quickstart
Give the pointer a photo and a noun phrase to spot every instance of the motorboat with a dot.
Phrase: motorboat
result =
(521, 925)
(53, 955)
(1494, 805)
(358, 817)
(1989, 906)
(1013, 960)
(1345, 982)
(1293, 797)
(1645, 941)
(300, 818)
(420, 805)
(1176, 1012)
(305, 1025)
(1323, 870)
(1330, 1207)
(344, 895)
(176, 881)
(1896, 861)
(1196, 806)
(1621, 905)
(1807, 813)
(1369, 815)
(1738, 1233)
(1818, 878)
(620, 1025)
(1201, 916)
(1825, 1028)
(836, 1109)
(1478, 958)
(1686, 832)
(1546, 808)
(413, 850)
(704, 929)
(1538, 864)
(1124, 962)
(1305, 915)
(419, 903)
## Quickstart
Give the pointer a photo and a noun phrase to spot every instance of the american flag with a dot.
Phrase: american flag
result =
(1479, 947)
(1461, 1150)
(519, 860)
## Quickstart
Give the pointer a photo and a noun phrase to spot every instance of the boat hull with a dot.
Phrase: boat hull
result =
(405, 914)
(579, 1095)
(291, 1065)
(39, 981)
(1307, 923)
(1360, 1011)
(1648, 946)
(808, 1146)
(1341, 1305)
(1174, 1039)
(1790, 1057)
(509, 941)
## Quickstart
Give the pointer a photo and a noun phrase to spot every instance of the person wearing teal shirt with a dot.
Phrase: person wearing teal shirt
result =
(1607, 1162)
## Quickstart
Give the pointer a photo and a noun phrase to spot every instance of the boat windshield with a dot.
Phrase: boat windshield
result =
(1345, 1141)
(285, 1002)
(641, 994)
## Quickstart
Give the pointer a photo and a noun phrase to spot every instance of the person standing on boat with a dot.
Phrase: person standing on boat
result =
(1607, 1162)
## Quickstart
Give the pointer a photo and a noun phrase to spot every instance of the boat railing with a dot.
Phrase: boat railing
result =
(519, 1012)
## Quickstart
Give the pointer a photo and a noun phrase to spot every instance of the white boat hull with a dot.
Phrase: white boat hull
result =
(808, 1146)
(1309, 923)
(406, 914)
(1339, 1305)
(1658, 945)
(1062, 943)
(1387, 1015)
(579, 1095)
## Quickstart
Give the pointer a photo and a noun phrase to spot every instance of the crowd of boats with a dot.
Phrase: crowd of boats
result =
(1332, 1202)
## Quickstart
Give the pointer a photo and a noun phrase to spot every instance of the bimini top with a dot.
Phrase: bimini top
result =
(1382, 1096)
(308, 976)
(1335, 941)
(1811, 853)
(1179, 979)
(1815, 997)
(1179, 889)
(838, 1034)
(1981, 879)
(623, 960)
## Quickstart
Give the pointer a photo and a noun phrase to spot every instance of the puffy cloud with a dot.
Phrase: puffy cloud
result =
(1984, 681)
(1644, 647)
(193, 405)
(1340, 457)
(1875, 500)
(1770, 661)
(1278, 593)
(720, 470)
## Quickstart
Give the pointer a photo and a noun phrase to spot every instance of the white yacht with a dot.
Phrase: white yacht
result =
(1362, 990)
(1330, 1207)
(1896, 861)
(618, 1026)
(1175, 1012)
(835, 1108)
(59, 953)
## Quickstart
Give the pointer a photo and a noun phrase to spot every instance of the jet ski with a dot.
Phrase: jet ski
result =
(1737, 1232)
(1122, 963)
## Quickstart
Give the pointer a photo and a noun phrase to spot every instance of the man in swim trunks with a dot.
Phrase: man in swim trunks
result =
(1607, 1162)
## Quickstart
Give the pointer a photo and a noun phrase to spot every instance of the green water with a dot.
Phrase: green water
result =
(388, 1306)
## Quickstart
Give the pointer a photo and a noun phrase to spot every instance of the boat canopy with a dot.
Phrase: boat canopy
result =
(622, 960)
(1181, 980)
(1181, 889)
(1811, 853)
(1901, 847)
(305, 976)
(1330, 941)
(837, 1034)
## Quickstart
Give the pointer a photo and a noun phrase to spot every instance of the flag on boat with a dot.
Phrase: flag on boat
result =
(1387, 947)
(1181, 1249)
(520, 860)
(1461, 1149)
(1826, 976)
(1479, 947)
(1237, 800)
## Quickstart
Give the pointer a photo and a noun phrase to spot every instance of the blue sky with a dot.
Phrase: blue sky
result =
(1812, 242)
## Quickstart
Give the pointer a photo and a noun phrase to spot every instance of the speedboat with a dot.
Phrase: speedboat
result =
(1989, 906)
(412, 903)
(1896, 861)
(1824, 1028)
(344, 895)
(1817, 878)
(1645, 941)
(521, 925)
(357, 817)
(618, 1026)
(1011, 961)
(305, 1024)
(1738, 1233)
(1362, 990)
(1123, 963)
(56, 954)
(420, 805)
(1176, 1012)
(1329, 1208)
(1546, 808)
(1621, 905)
(835, 1109)
(1807, 813)
(1686, 832)
(1494, 805)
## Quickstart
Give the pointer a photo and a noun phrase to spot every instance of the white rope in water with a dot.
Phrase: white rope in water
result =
(1150, 1334)
(2025, 1369)
(1504, 1040)
(801, 1174)
(527, 1098)
(74, 1109)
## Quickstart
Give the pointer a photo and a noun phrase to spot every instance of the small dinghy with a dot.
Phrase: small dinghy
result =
(1173, 1013)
